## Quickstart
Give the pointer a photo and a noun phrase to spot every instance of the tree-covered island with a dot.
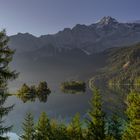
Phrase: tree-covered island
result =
(30, 93)
(73, 86)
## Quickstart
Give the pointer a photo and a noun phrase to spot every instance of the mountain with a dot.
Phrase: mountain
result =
(101, 50)
(24, 42)
(135, 21)
(97, 37)
(121, 66)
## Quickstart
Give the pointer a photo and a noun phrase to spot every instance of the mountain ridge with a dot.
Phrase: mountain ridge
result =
(106, 33)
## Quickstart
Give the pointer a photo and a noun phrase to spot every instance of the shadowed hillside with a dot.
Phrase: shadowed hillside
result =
(122, 66)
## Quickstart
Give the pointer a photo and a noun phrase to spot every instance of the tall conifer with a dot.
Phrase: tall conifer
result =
(5, 75)
(28, 128)
(96, 121)
(132, 131)
(43, 128)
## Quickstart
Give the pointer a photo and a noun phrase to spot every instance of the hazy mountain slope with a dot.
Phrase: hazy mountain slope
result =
(66, 65)
(24, 42)
(106, 33)
(122, 65)
(116, 65)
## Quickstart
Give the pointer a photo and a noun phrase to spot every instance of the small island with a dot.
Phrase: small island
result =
(30, 93)
(73, 87)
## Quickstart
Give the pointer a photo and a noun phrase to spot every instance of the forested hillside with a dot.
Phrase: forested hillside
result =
(122, 66)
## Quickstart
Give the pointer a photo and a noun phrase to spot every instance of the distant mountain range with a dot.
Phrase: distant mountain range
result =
(106, 33)
(103, 50)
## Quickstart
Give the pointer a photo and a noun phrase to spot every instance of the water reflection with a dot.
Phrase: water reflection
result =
(114, 97)
(73, 91)
(64, 106)
(73, 87)
(42, 98)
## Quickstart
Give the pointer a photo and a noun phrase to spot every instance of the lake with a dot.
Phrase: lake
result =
(62, 106)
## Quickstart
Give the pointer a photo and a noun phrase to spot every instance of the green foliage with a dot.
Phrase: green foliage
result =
(6, 55)
(75, 128)
(59, 131)
(96, 121)
(73, 86)
(109, 138)
(5, 75)
(28, 128)
(114, 127)
(97, 127)
(122, 66)
(27, 93)
(43, 128)
(24, 89)
(132, 131)
(43, 91)
(137, 81)
(3, 112)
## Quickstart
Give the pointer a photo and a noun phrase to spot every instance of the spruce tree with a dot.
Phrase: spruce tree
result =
(24, 93)
(5, 75)
(96, 121)
(28, 128)
(24, 90)
(132, 131)
(74, 129)
(43, 128)
(3, 112)
(43, 88)
(114, 127)
(59, 131)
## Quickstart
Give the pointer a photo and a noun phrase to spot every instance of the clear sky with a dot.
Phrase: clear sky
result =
(49, 16)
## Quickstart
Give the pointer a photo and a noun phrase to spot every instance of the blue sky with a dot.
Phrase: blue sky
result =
(49, 16)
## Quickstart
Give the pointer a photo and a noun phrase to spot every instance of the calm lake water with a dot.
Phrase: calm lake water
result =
(62, 106)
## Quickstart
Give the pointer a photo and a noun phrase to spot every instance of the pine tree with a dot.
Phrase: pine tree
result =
(24, 93)
(62, 132)
(115, 127)
(28, 128)
(132, 131)
(59, 131)
(96, 121)
(3, 112)
(43, 128)
(43, 88)
(5, 75)
(24, 90)
(74, 129)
